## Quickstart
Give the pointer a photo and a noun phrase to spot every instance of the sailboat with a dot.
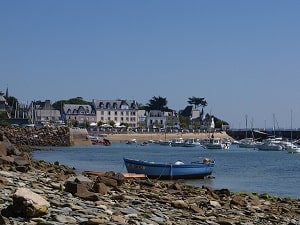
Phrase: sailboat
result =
(248, 142)
(292, 148)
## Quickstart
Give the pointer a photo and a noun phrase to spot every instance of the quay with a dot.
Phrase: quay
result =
(260, 134)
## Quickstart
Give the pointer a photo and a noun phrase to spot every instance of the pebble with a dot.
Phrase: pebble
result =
(147, 205)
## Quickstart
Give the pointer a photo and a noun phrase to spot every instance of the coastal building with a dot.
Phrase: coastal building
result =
(83, 114)
(194, 116)
(161, 119)
(3, 104)
(43, 112)
(117, 111)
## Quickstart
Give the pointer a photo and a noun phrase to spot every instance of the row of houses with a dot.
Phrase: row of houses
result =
(117, 111)
(106, 111)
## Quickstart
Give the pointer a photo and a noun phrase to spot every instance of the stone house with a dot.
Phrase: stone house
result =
(3, 104)
(80, 113)
(42, 112)
(118, 111)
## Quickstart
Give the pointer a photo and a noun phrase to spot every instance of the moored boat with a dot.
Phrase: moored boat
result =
(131, 141)
(215, 143)
(293, 148)
(105, 142)
(270, 144)
(177, 142)
(191, 142)
(248, 143)
(175, 170)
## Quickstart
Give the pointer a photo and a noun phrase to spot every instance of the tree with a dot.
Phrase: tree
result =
(184, 121)
(78, 101)
(157, 103)
(197, 102)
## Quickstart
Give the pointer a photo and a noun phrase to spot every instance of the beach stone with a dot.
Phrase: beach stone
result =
(215, 204)
(118, 218)
(7, 160)
(80, 179)
(65, 219)
(3, 149)
(29, 204)
(100, 188)
(87, 195)
(238, 201)
(180, 204)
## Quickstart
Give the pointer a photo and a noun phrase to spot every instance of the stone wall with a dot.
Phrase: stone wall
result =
(37, 136)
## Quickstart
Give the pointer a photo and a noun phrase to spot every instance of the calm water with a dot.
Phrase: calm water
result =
(238, 169)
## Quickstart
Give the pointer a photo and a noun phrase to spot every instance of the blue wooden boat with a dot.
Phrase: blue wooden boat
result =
(177, 170)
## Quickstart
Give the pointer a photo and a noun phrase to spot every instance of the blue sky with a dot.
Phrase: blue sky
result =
(241, 56)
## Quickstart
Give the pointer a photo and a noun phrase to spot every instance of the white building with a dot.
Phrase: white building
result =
(80, 113)
(118, 111)
(161, 119)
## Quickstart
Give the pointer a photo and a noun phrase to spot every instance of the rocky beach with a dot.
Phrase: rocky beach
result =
(37, 192)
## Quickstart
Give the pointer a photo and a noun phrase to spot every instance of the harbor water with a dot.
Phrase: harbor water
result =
(238, 169)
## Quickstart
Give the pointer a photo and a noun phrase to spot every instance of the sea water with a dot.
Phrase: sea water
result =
(238, 169)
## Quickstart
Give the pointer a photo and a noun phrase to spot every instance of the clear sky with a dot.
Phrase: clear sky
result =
(243, 57)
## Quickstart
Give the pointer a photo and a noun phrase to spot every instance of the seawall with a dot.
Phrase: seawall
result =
(37, 136)
(260, 134)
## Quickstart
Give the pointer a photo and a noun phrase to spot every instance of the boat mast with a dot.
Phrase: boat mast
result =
(291, 125)
(246, 116)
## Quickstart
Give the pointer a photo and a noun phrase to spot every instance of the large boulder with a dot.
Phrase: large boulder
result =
(27, 204)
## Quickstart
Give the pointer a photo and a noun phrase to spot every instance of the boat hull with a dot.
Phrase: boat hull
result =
(169, 171)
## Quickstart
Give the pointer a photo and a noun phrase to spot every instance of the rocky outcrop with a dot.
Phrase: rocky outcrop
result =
(136, 202)
(37, 136)
(48, 193)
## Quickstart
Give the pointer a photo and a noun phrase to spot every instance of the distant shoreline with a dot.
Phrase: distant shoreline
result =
(163, 136)
(140, 137)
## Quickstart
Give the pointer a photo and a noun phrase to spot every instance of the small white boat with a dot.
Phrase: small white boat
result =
(164, 142)
(177, 142)
(293, 148)
(270, 144)
(191, 142)
(248, 143)
(131, 141)
(215, 143)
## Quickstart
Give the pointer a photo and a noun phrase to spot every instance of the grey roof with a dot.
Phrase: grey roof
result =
(2, 99)
(78, 109)
(115, 104)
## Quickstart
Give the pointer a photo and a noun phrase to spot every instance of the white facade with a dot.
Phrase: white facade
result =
(118, 111)
(160, 119)
(80, 113)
